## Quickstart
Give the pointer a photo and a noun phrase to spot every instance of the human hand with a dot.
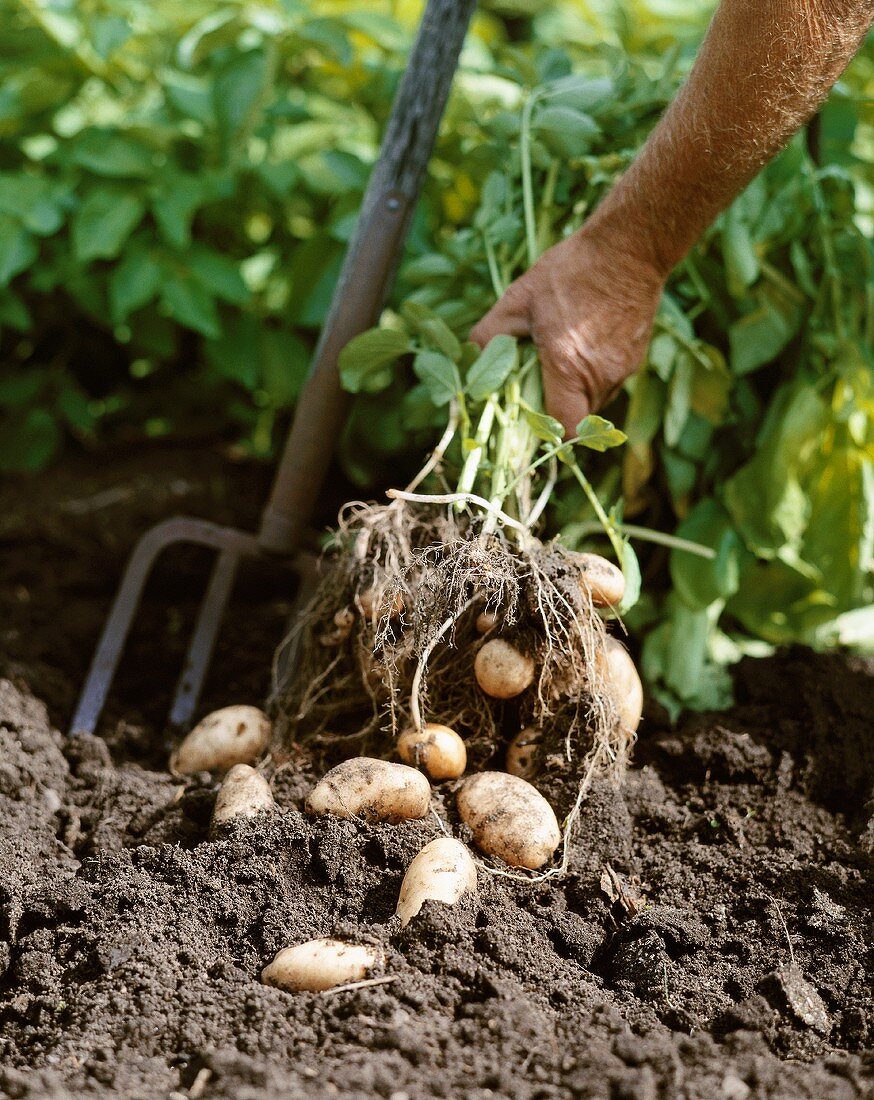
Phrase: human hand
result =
(588, 304)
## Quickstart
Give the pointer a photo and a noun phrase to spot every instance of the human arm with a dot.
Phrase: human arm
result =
(589, 302)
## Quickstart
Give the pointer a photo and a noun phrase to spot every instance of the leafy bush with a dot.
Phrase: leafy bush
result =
(177, 185)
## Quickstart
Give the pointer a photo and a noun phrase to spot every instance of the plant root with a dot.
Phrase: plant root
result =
(416, 577)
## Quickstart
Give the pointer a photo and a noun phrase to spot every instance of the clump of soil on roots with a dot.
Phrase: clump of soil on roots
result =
(710, 940)
(390, 640)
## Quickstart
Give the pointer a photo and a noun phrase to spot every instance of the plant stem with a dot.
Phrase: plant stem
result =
(527, 181)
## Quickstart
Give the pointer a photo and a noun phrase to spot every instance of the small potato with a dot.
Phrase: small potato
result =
(604, 581)
(509, 819)
(501, 670)
(344, 620)
(232, 735)
(321, 964)
(244, 793)
(622, 680)
(486, 621)
(442, 871)
(521, 758)
(376, 790)
(436, 749)
(369, 601)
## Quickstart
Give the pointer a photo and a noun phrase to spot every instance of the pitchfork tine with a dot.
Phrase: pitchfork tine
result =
(200, 647)
(124, 606)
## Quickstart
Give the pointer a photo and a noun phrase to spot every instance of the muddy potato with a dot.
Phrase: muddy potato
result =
(321, 964)
(244, 793)
(377, 790)
(502, 671)
(370, 602)
(436, 749)
(442, 871)
(623, 682)
(486, 621)
(232, 735)
(521, 758)
(509, 819)
(601, 578)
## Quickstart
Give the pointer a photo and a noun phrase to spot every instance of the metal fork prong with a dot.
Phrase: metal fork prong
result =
(104, 663)
(200, 647)
(118, 624)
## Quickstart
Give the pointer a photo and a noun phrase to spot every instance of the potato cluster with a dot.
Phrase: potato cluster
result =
(507, 817)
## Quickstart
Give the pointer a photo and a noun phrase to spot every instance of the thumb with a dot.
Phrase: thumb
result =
(510, 316)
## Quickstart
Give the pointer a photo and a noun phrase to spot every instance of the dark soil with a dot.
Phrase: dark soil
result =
(710, 941)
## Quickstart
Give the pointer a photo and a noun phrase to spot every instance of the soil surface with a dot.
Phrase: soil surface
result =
(710, 941)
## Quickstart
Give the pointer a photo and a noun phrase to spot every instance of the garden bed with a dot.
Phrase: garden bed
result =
(709, 942)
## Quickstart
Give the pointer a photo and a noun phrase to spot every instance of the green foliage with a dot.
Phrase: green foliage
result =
(178, 184)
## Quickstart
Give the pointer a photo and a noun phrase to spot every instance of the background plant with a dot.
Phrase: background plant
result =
(177, 185)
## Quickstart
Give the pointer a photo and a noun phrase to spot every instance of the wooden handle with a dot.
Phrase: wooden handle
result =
(368, 269)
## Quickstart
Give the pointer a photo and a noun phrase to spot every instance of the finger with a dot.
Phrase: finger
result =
(510, 316)
(565, 394)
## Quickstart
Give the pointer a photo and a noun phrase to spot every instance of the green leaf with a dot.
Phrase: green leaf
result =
(175, 206)
(219, 275)
(103, 223)
(700, 581)
(631, 571)
(760, 336)
(188, 303)
(741, 261)
(109, 33)
(433, 328)
(582, 93)
(108, 153)
(494, 365)
(423, 269)
(21, 387)
(439, 374)
(234, 355)
(679, 399)
(237, 90)
(13, 311)
(33, 201)
(567, 131)
(663, 354)
(28, 443)
(18, 249)
(383, 29)
(133, 283)
(544, 427)
(366, 360)
(599, 434)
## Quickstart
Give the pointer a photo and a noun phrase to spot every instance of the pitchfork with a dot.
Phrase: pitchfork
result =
(365, 278)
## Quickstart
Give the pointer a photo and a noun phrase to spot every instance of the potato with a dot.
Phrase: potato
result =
(509, 819)
(486, 621)
(502, 671)
(436, 749)
(442, 871)
(344, 620)
(521, 758)
(369, 602)
(232, 735)
(603, 580)
(321, 964)
(376, 790)
(623, 682)
(244, 793)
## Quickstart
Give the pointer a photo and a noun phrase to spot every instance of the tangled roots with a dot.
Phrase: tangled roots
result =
(390, 639)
